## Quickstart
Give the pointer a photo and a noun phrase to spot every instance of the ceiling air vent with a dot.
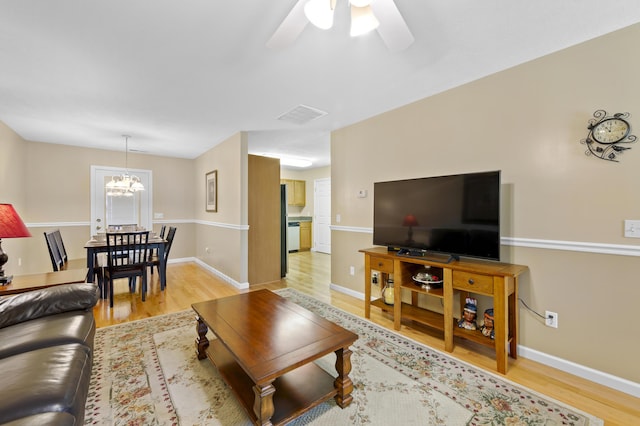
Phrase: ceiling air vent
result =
(302, 114)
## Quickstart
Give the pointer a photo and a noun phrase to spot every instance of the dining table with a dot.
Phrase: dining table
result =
(99, 245)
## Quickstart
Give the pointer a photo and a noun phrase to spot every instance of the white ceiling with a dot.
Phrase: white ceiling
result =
(180, 76)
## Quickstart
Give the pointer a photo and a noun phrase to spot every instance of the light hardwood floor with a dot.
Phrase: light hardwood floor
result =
(310, 273)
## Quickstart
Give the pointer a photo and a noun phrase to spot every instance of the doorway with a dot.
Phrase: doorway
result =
(109, 210)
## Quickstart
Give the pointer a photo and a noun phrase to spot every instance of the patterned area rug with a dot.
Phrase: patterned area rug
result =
(146, 373)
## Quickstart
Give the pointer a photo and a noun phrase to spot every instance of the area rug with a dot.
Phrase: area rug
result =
(146, 373)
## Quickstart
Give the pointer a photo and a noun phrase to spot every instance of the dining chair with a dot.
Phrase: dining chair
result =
(58, 254)
(126, 258)
(154, 260)
(154, 252)
(54, 251)
(63, 252)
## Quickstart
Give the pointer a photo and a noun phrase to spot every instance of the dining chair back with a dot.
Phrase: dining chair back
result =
(54, 251)
(126, 258)
(58, 253)
(154, 260)
(63, 252)
(154, 252)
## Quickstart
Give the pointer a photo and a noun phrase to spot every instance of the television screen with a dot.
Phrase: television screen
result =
(458, 215)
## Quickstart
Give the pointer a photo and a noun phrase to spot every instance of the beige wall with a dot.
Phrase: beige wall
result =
(222, 236)
(528, 122)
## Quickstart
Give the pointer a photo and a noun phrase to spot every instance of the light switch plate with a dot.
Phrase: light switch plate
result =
(632, 228)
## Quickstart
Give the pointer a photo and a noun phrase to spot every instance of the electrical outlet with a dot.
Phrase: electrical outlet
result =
(352, 270)
(375, 278)
(551, 319)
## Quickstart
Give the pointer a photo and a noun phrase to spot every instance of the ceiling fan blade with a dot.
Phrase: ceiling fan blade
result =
(290, 28)
(393, 29)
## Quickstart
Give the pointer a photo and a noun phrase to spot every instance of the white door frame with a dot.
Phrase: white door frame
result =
(98, 174)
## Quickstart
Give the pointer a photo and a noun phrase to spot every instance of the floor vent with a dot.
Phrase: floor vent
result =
(302, 114)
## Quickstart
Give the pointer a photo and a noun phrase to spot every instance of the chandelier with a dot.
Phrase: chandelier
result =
(124, 185)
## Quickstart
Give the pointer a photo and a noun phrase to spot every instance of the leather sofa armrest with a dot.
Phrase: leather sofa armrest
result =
(47, 301)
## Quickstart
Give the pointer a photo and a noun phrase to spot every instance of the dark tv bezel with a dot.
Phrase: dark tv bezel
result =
(420, 251)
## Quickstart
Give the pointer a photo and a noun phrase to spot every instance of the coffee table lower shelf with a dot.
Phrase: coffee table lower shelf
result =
(295, 392)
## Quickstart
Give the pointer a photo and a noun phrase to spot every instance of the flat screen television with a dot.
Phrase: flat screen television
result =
(456, 215)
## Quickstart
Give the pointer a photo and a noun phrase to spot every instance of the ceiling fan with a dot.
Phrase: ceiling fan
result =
(366, 15)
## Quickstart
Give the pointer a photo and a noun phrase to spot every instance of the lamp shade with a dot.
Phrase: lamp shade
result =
(11, 226)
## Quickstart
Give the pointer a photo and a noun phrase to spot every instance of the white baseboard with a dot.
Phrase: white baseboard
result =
(214, 271)
(347, 291)
(596, 376)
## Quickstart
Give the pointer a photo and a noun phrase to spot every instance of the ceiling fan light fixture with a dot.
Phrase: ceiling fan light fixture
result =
(362, 21)
(360, 3)
(320, 13)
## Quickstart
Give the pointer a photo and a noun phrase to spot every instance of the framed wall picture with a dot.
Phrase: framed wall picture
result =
(211, 185)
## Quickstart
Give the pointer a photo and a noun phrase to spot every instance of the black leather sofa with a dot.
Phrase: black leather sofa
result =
(46, 355)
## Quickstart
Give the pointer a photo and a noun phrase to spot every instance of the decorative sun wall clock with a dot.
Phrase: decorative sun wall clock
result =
(606, 133)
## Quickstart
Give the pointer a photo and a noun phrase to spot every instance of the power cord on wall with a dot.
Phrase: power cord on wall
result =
(531, 310)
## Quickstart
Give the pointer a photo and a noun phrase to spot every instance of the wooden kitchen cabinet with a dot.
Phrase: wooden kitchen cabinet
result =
(305, 236)
(296, 192)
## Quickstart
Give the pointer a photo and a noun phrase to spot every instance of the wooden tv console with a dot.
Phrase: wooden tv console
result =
(465, 276)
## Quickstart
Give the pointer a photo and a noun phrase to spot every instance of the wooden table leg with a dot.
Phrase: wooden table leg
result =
(91, 258)
(514, 316)
(500, 323)
(162, 267)
(202, 343)
(343, 383)
(263, 403)
(367, 286)
(448, 309)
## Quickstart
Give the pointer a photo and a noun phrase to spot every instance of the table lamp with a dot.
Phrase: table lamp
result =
(11, 226)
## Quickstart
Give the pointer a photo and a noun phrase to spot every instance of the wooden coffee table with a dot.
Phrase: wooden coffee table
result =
(264, 351)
